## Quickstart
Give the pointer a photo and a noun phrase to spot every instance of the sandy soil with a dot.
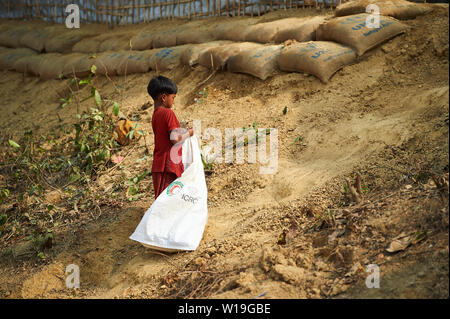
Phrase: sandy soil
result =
(294, 234)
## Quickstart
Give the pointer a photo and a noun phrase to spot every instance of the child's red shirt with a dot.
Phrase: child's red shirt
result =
(163, 122)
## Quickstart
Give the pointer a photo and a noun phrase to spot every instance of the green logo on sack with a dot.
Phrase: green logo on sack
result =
(174, 188)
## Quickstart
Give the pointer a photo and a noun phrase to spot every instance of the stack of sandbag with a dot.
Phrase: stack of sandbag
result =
(191, 55)
(319, 58)
(355, 33)
(35, 39)
(399, 9)
(8, 57)
(217, 57)
(300, 29)
(136, 62)
(10, 37)
(259, 62)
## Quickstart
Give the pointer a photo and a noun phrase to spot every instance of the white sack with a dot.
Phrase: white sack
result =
(177, 218)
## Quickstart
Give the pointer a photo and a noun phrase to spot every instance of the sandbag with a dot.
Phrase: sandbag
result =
(8, 57)
(319, 58)
(259, 62)
(233, 31)
(143, 40)
(353, 32)
(47, 66)
(78, 63)
(63, 43)
(51, 66)
(35, 39)
(218, 56)
(108, 62)
(266, 32)
(177, 218)
(115, 42)
(166, 38)
(301, 30)
(191, 55)
(399, 9)
(195, 35)
(137, 62)
(11, 37)
(28, 64)
(88, 45)
(167, 58)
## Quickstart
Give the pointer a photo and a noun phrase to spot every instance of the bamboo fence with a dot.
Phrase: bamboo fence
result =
(123, 12)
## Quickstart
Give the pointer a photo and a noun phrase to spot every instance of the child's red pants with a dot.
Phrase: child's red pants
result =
(161, 180)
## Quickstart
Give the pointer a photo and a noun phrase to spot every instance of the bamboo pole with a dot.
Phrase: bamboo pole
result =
(152, 9)
(48, 10)
(220, 7)
(95, 16)
(195, 9)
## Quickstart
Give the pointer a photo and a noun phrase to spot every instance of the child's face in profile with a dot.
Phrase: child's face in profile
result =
(168, 99)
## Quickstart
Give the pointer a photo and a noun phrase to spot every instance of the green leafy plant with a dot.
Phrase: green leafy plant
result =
(133, 186)
(208, 166)
(93, 141)
(203, 95)
(4, 193)
(255, 128)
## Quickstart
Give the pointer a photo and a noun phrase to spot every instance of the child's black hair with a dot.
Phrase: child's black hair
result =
(161, 84)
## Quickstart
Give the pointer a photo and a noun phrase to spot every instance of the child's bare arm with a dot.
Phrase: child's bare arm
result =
(176, 136)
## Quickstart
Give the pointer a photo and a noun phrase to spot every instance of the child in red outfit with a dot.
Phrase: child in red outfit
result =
(167, 165)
